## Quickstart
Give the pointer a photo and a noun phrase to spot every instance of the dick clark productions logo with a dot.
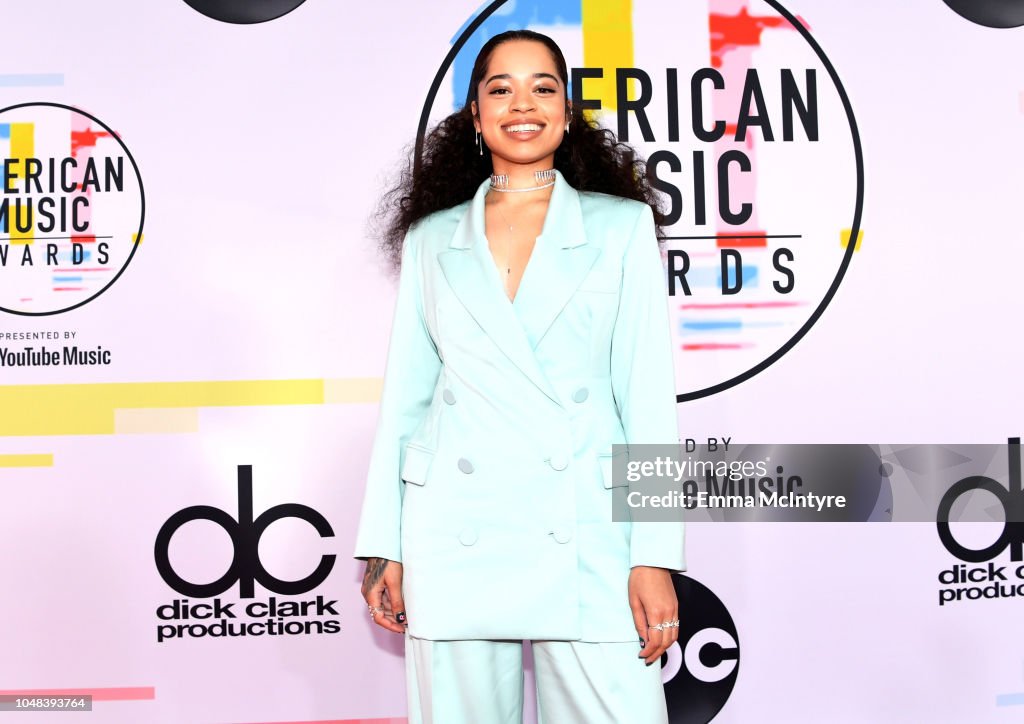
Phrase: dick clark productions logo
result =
(272, 616)
(992, 581)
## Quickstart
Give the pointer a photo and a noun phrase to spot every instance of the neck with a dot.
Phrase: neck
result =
(520, 200)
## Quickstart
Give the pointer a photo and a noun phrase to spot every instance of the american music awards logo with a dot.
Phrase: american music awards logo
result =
(750, 138)
(71, 208)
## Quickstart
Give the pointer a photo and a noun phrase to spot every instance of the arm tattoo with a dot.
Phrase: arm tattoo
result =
(374, 570)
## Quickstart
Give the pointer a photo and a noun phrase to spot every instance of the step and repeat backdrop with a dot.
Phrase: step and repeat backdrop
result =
(194, 317)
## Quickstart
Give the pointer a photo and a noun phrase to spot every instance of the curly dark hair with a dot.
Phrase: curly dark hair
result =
(450, 169)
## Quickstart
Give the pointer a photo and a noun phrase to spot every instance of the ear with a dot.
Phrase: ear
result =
(476, 117)
(568, 112)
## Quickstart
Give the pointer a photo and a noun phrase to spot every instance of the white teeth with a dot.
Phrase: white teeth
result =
(522, 128)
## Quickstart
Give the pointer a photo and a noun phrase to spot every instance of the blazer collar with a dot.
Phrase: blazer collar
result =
(561, 258)
(563, 223)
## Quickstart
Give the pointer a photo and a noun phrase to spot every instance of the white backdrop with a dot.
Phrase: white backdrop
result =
(263, 150)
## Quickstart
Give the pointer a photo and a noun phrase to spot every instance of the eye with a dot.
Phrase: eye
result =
(546, 89)
(498, 91)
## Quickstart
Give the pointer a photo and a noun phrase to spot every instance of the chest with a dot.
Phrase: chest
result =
(511, 237)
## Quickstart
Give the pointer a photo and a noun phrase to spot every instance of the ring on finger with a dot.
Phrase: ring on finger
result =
(666, 624)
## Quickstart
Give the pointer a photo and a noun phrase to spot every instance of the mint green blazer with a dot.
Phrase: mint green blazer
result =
(490, 473)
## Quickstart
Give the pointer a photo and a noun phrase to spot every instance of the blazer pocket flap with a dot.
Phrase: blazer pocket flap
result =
(417, 464)
(607, 462)
(601, 280)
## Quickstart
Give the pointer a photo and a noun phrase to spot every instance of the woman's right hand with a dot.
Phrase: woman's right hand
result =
(382, 589)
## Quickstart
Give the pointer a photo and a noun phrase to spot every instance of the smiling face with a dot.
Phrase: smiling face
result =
(522, 109)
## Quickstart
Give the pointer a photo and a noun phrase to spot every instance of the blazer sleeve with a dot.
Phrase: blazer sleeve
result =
(410, 377)
(643, 380)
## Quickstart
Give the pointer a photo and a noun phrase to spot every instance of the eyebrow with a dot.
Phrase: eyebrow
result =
(507, 76)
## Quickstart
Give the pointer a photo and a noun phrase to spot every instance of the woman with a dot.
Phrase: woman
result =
(530, 336)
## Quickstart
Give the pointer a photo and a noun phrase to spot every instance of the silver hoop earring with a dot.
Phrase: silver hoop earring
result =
(567, 123)
(478, 144)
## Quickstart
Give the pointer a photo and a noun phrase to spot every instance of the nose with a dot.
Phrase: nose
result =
(522, 104)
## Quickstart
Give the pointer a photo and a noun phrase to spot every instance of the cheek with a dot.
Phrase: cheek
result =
(490, 124)
(492, 109)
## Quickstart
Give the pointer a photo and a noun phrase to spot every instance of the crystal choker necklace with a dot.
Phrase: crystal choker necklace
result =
(499, 182)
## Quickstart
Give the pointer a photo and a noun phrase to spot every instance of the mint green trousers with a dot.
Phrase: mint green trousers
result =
(481, 682)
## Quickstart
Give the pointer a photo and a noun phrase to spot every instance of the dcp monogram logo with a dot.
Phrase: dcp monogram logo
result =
(245, 533)
(1012, 500)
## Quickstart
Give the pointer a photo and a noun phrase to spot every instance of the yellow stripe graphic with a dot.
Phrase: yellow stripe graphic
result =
(116, 407)
(41, 460)
(844, 238)
(23, 145)
(608, 44)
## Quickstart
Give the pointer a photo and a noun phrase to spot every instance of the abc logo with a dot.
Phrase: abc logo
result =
(700, 670)
(1012, 500)
(246, 568)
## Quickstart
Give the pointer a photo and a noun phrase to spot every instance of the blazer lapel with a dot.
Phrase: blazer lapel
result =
(560, 260)
(469, 268)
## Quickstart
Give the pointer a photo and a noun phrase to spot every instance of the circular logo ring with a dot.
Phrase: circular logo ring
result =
(858, 157)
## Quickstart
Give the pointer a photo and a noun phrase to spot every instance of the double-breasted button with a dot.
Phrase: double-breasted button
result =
(581, 394)
(468, 536)
(465, 466)
(562, 535)
(448, 396)
(559, 461)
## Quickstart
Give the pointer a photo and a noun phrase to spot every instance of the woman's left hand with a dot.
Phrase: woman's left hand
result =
(652, 597)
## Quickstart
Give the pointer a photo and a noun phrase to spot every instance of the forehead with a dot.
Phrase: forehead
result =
(521, 58)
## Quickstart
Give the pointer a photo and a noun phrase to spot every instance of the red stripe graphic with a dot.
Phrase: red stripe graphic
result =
(729, 240)
(714, 345)
(115, 693)
(740, 305)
